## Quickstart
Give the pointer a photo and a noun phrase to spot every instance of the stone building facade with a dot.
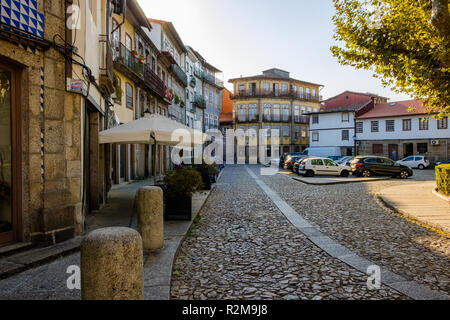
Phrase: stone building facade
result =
(41, 158)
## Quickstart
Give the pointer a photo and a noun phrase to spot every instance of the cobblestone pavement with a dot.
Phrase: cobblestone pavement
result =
(351, 215)
(244, 248)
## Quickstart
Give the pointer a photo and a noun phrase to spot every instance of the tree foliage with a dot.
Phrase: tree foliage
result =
(400, 42)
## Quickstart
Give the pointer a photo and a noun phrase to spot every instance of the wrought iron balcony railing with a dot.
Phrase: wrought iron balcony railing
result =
(180, 74)
(153, 81)
(208, 77)
(199, 101)
(128, 58)
(275, 93)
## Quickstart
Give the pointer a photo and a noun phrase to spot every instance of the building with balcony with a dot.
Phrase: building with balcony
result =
(275, 101)
(195, 104)
(211, 92)
(170, 65)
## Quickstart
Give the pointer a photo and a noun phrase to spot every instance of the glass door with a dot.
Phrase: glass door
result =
(6, 173)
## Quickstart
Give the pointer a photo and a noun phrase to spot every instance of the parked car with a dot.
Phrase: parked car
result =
(289, 163)
(367, 166)
(322, 166)
(443, 162)
(285, 155)
(345, 160)
(420, 162)
(297, 164)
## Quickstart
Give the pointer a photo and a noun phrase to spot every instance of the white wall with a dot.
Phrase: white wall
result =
(415, 133)
(330, 128)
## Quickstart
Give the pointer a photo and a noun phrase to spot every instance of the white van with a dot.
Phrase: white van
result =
(324, 152)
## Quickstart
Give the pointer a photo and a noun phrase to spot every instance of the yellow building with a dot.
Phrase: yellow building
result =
(274, 101)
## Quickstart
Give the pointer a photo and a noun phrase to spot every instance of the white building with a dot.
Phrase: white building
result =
(390, 127)
(336, 127)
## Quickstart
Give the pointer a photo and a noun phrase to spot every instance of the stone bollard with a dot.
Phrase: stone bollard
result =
(112, 265)
(151, 218)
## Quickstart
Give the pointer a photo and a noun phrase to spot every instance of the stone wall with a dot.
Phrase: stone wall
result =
(51, 139)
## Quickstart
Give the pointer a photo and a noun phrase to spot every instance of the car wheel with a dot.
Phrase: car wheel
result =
(366, 173)
(344, 173)
(309, 173)
(421, 166)
(404, 174)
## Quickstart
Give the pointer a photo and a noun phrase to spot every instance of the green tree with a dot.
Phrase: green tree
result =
(405, 43)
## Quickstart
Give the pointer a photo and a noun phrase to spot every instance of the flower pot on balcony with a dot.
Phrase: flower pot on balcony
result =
(134, 53)
(141, 59)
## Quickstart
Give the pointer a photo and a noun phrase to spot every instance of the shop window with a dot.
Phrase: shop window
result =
(422, 148)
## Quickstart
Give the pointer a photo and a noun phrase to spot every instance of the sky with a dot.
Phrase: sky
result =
(245, 37)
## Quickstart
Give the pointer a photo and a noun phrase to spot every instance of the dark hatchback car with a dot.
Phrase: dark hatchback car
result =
(297, 163)
(367, 166)
(290, 161)
(285, 155)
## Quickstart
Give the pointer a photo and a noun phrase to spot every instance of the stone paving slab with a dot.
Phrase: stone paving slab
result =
(416, 201)
(323, 181)
(410, 288)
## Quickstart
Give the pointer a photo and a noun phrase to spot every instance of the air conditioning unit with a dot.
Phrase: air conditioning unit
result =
(434, 142)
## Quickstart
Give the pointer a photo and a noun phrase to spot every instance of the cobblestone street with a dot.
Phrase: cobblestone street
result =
(244, 248)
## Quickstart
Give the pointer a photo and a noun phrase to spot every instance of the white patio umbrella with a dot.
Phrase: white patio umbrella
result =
(153, 129)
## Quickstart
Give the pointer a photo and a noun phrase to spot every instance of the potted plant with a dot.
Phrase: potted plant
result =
(180, 184)
(182, 104)
(208, 174)
(177, 99)
(141, 59)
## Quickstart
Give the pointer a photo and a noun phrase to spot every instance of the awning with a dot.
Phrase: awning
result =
(150, 128)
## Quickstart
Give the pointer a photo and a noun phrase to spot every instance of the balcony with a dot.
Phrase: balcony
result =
(106, 65)
(199, 101)
(210, 78)
(193, 82)
(301, 119)
(153, 81)
(126, 58)
(179, 73)
(290, 94)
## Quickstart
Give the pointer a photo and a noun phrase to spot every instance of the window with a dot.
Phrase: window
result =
(359, 127)
(129, 94)
(423, 124)
(317, 162)
(314, 93)
(329, 163)
(315, 119)
(422, 148)
(128, 42)
(297, 114)
(242, 88)
(276, 112)
(266, 86)
(345, 117)
(267, 107)
(442, 123)
(407, 125)
(297, 133)
(409, 159)
(301, 92)
(345, 135)
(308, 95)
(284, 87)
(286, 131)
(242, 112)
(252, 112)
(377, 148)
(268, 131)
(285, 113)
(275, 88)
(374, 126)
(390, 125)
(315, 136)
(119, 84)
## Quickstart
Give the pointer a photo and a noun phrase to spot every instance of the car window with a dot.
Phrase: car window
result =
(330, 163)
(317, 162)
(418, 159)
(387, 162)
(370, 160)
(409, 159)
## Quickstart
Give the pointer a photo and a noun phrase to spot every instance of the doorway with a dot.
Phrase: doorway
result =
(408, 150)
(393, 151)
(10, 155)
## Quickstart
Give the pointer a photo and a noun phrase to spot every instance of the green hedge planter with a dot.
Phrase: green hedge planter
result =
(443, 178)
